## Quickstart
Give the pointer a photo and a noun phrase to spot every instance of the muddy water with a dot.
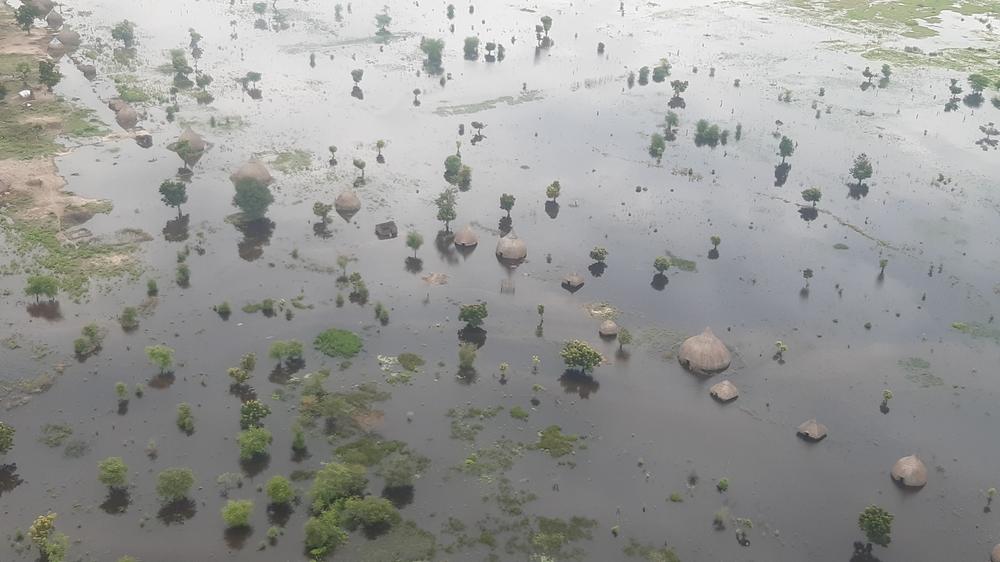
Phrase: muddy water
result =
(581, 124)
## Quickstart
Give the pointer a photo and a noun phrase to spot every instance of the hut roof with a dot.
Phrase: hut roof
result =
(54, 19)
(573, 281)
(193, 140)
(466, 237)
(724, 391)
(116, 104)
(127, 117)
(910, 471)
(69, 38)
(704, 354)
(995, 554)
(56, 46)
(512, 248)
(42, 6)
(812, 430)
(253, 170)
(347, 202)
(608, 329)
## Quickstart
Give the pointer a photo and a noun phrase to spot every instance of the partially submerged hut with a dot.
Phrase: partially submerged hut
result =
(704, 354)
(54, 19)
(812, 430)
(910, 472)
(572, 282)
(127, 117)
(252, 171)
(511, 249)
(724, 391)
(190, 147)
(347, 204)
(466, 238)
(69, 38)
(608, 329)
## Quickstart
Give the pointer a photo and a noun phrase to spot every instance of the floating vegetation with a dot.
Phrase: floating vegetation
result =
(410, 361)
(508, 500)
(488, 462)
(840, 246)
(554, 442)
(19, 392)
(601, 310)
(524, 97)
(519, 413)
(55, 434)
(978, 331)
(368, 450)
(635, 549)
(465, 424)
(682, 264)
(292, 161)
(918, 372)
(338, 343)
(388, 365)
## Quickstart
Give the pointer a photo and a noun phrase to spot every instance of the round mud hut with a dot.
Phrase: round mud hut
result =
(572, 282)
(812, 430)
(190, 147)
(608, 329)
(54, 19)
(724, 391)
(69, 38)
(347, 204)
(511, 249)
(127, 117)
(910, 472)
(704, 354)
(466, 238)
(252, 171)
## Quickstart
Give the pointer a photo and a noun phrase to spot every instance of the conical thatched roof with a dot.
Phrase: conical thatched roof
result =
(89, 71)
(127, 117)
(193, 140)
(466, 237)
(995, 554)
(812, 430)
(704, 354)
(347, 202)
(724, 391)
(116, 104)
(608, 329)
(910, 471)
(69, 38)
(56, 47)
(253, 170)
(512, 248)
(42, 6)
(189, 146)
(572, 282)
(54, 19)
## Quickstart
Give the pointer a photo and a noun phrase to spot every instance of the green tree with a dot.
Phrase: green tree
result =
(121, 391)
(414, 241)
(42, 286)
(467, 356)
(173, 194)
(253, 198)
(400, 469)
(174, 484)
(785, 148)
(507, 202)
(452, 167)
(124, 31)
(599, 254)
(382, 21)
(25, 16)
(357, 74)
(48, 74)
(886, 71)
(706, 134)
(6, 437)
(286, 351)
(129, 318)
(552, 191)
(185, 419)
(432, 48)
(862, 168)
(546, 24)
(473, 314)
(715, 240)
(324, 534)
(657, 145)
(335, 482)
(471, 48)
(161, 356)
(445, 203)
(679, 87)
(876, 523)
(279, 490)
(369, 512)
(812, 195)
(236, 513)
(624, 338)
(360, 165)
(322, 210)
(661, 264)
(580, 355)
(113, 472)
(254, 443)
(978, 83)
(672, 120)
(252, 413)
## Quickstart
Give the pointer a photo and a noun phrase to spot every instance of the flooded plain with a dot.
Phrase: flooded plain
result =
(643, 476)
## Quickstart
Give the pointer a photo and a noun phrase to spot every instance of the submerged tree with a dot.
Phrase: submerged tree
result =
(876, 523)
(812, 195)
(42, 286)
(657, 145)
(252, 197)
(124, 31)
(507, 202)
(471, 48)
(432, 48)
(785, 148)
(552, 191)
(445, 203)
(173, 194)
(414, 240)
(862, 168)
(580, 355)
(382, 21)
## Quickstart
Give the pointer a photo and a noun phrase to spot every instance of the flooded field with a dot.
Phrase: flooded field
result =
(834, 221)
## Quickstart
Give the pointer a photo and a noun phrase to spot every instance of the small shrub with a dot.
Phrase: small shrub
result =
(338, 343)
(129, 319)
(254, 442)
(112, 472)
(185, 420)
(223, 310)
(410, 361)
(151, 288)
(279, 490)
(174, 484)
(722, 485)
(518, 413)
(183, 275)
(236, 513)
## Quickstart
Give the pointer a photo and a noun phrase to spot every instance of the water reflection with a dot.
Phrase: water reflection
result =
(279, 513)
(282, 372)
(162, 380)
(808, 213)
(863, 553)
(177, 512)
(49, 310)
(236, 537)
(117, 501)
(256, 235)
(473, 335)
(176, 230)
(254, 466)
(9, 479)
(414, 265)
(575, 382)
(400, 496)
(659, 282)
(552, 209)
(781, 174)
(444, 242)
(857, 190)
(597, 268)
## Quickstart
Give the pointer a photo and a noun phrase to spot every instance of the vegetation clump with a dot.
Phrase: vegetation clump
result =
(554, 442)
(338, 343)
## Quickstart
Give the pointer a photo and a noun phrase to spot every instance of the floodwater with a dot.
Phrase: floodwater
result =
(563, 113)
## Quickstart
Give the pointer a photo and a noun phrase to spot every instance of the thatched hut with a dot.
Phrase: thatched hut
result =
(127, 117)
(704, 354)
(572, 282)
(41, 6)
(252, 171)
(724, 391)
(910, 471)
(56, 47)
(812, 430)
(608, 329)
(512, 249)
(995, 554)
(190, 147)
(54, 19)
(347, 204)
(69, 38)
(466, 238)
(89, 71)
(116, 104)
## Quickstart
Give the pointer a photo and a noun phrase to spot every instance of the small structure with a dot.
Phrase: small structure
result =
(253, 170)
(466, 238)
(190, 147)
(54, 19)
(143, 138)
(995, 554)
(347, 204)
(56, 47)
(812, 430)
(572, 282)
(704, 354)
(26, 95)
(127, 117)
(42, 6)
(608, 329)
(386, 230)
(69, 38)
(724, 391)
(511, 249)
(116, 104)
(910, 472)
(89, 71)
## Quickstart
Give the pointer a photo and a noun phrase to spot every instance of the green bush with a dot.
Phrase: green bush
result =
(185, 420)
(252, 412)
(6, 437)
(410, 361)
(337, 481)
(369, 512)
(323, 534)
(279, 490)
(338, 343)
(112, 472)
(174, 484)
(253, 442)
(129, 318)
(401, 469)
(236, 513)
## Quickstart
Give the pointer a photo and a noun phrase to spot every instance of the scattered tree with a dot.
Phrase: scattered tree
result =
(124, 31)
(6, 437)
(661, 264)
(876, 523)
(174, 484)
(279, 490)
(580, 355)
(253, 198)
(785, 148)
(382, 21)
(657, 145)
(507, 202)
(473, 314)
(42, 286)
(112, 472)
(624, 338)
(161, 356)
(252, 413)
(253, 443)
(812, 195)
(236, 513)
(322, 210)
(185, 419)
(445, 203)
(471, 48)
(599, 254)
(286, 351)
(25, 15)
(335, 482)
(414, 241)
(553, 190)
(432, 48)
(862, 168)
(173, 194)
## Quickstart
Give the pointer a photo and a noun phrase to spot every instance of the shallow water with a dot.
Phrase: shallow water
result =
(584, 126)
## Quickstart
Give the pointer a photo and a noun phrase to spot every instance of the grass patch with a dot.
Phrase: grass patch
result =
(519, 413)
(490, 461)
(682, 264)
(55, 434)
(978, 331)
(368, 450)
(130, 90)
(905, 17)
(338, 343)
(635, 549)
(292, 161)
(554, 442)
(465, 424)
(410, 361)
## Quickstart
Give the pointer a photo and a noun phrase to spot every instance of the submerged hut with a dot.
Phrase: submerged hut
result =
(572, 282)
(54, 19)
(812, 430)
(704, 354)
(190, 147)
(608, 329)
(466, 238)
(347, 204)
(995, 554)
(511, 249)
(56, 48)
(253, 171)
(69, 38)
(910, 471)
(724, 391)
(127, 117)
